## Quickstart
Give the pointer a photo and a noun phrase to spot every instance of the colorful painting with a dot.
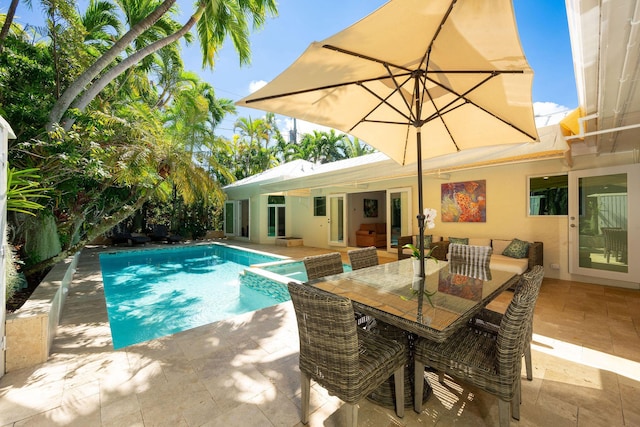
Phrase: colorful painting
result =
(464, 201)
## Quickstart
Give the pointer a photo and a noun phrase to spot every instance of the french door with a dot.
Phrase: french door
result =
(236, 218)
(399, 214)
(337, 218)
(604, 222)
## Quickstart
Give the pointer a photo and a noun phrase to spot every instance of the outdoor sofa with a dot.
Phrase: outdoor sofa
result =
(533, 255)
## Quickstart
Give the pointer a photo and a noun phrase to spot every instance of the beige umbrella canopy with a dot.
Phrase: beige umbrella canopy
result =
(415, 79)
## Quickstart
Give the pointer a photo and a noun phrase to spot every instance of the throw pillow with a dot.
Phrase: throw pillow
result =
(427, 240)
(459, 240)
(516, 249)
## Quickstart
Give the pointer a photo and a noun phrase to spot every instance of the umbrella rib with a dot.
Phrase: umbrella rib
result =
(463, 96)
(314, 89)
(365, 57)
(382, 101)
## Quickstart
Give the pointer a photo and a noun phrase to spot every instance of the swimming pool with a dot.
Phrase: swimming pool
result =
(292, 269)
(151, 293)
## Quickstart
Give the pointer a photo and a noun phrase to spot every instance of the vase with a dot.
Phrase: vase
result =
(416, 266)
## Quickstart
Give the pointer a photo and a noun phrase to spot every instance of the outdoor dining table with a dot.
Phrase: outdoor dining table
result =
(391, 294)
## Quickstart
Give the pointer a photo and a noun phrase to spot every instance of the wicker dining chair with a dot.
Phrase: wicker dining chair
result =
(489, 320)
(323, 265)
(470, 260)
(363, 258)
(489, 362)
(347, 361)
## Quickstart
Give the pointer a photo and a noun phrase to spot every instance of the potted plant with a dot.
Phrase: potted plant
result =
(415, 256)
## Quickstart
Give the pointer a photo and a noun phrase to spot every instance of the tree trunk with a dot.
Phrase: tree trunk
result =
(96, 87)
(7, 22)
(71, 93)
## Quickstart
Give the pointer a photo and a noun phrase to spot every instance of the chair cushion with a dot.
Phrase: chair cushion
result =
(459, 240)
(516, 249)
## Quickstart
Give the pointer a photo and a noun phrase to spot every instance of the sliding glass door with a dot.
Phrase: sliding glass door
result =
(399, 215)
(337, 219)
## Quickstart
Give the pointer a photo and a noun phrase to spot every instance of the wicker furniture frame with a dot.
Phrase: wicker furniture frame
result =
(489, 320)
(347, 361)
(440, 250)
(397, 304)
(615, 242)
(363, 258)
(488, 361)
(323, 265)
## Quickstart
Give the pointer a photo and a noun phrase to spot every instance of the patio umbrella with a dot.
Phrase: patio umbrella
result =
(415, 79)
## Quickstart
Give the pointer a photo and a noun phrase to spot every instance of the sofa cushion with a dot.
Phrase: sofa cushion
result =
(381, 228)
(499, 245)
(516, 249)
(368, 227)
(459, 240)
(505, 263)
(479, 241)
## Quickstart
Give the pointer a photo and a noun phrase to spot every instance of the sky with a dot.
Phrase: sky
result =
(542, 25)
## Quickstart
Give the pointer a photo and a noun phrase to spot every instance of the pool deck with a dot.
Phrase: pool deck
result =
(244, 371)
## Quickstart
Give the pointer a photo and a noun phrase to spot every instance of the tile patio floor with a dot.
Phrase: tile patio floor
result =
(243, 371)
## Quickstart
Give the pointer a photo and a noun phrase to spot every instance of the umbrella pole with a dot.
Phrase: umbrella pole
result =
(421, 216)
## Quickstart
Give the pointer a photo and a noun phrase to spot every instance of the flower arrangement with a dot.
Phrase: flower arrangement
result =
(415, 252)
(429, 219)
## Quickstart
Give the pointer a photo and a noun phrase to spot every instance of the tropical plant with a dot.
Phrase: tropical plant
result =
(23, 189)
(215, 20)
(415, 251)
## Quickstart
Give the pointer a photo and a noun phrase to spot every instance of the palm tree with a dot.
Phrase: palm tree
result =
(215, 19)
(355, 148)
(102, 26)
(322, 147)
(8, 21)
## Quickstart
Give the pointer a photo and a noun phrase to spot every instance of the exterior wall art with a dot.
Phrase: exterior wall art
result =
(464, 201)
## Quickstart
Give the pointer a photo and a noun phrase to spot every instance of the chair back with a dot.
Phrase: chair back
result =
(363, 258)
(515, 328)
(328, 337)
(470, 260)
(323, 265)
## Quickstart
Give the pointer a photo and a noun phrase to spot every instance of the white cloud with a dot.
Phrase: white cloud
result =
(256, 85)
(549, 113)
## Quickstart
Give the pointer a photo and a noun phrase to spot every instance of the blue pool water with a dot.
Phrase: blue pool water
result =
(158, 292)
(293, 270)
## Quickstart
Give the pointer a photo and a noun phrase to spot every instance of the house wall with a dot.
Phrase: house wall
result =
(506, 209)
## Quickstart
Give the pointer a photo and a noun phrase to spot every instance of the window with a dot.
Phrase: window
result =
(548, 195)
(320, 206)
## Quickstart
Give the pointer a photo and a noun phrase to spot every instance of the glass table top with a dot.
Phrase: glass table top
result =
(392, 293)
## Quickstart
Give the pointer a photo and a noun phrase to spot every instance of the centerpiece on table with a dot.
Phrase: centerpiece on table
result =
(430, 216)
